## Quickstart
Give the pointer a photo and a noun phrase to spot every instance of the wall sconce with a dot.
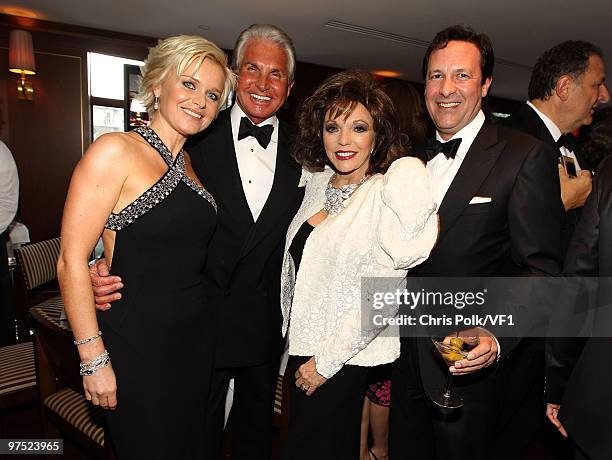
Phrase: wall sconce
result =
(21, 61)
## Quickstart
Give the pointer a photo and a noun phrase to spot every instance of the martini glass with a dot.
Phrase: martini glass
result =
(451, 351)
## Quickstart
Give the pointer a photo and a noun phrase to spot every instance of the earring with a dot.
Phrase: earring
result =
(156, 103)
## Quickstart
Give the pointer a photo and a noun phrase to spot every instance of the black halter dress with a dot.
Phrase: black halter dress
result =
(160, 334)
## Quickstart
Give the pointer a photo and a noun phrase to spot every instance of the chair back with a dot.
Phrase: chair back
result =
(35, 281)
(61, 358)
(17, 371)
(65, 411)
(37, 262)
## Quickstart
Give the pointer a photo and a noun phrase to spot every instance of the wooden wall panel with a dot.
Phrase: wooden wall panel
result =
(46, 139)
(49, 134)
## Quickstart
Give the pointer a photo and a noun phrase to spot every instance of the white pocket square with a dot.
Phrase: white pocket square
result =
(480, 200)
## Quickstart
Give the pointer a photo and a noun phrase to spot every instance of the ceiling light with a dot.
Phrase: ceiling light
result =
(387, 73)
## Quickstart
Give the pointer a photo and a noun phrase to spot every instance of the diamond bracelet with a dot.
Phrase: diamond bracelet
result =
(88, 339)
(93, 366)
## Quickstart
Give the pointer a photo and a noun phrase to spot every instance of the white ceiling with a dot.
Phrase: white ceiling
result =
(520, 30)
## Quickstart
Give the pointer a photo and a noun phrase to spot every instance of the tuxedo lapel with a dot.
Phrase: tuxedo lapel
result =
(286, 177)
(536, 126)
(478, 162)
(227, 178)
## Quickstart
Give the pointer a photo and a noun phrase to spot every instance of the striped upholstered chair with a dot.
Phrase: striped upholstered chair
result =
(66, 413)
(37, 273)
(17, 375)
(36, 281)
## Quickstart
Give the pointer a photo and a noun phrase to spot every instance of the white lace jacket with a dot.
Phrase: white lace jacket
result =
(388, 226)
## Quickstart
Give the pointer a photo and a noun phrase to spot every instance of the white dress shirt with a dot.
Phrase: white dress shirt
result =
(255, 164)
(556, 133)
(9, 187)
(443, 170)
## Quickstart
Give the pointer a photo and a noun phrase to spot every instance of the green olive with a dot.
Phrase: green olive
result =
(456, 343)
(452, 356)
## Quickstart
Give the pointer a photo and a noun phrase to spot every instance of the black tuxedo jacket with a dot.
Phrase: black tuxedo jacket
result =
(527, 121)
(561, 354)
(586, 405)
(242, 273)
(516, 234)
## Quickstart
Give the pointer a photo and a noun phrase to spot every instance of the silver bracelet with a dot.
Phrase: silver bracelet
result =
(93, 366)
(88, 339)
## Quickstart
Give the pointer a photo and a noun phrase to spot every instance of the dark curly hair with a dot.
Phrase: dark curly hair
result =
(340, 94)
(463, 33)
(567, 58)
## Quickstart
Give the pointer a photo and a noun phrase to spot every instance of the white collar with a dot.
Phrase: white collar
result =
(467, 134)
(554, 130)
(237, 113)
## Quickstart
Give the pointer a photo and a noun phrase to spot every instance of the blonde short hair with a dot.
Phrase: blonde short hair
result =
(178, 53)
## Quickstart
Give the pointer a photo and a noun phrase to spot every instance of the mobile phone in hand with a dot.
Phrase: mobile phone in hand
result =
(570, 166)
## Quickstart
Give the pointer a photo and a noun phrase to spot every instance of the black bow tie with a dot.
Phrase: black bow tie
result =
(434, 147)
(261, 133)
(568, 141)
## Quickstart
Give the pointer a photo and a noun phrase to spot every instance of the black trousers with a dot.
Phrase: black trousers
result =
(252, 410)
(326, 425)
(524, 409)
(411, 430)
(420, 430)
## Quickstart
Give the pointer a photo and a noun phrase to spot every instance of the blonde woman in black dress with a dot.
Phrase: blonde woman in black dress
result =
(148, 360)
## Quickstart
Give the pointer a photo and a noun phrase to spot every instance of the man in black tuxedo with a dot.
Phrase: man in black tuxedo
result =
(567, 84)
(256, 188)
(243, 160)
(493, 189)
(586, 404)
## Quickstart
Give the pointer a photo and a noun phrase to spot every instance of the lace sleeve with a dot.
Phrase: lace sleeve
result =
(408, 225)
(354, 332)
(407, 231)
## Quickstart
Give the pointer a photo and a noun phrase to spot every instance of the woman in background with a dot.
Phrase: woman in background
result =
(138, 189)
(366, 213)
(410, 108)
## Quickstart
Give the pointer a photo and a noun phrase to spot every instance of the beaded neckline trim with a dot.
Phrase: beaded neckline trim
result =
(152, 138)
(161, 189)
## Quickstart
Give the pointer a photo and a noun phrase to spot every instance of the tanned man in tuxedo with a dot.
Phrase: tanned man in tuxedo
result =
(243, 160)
(493, 190)
(567, 84)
